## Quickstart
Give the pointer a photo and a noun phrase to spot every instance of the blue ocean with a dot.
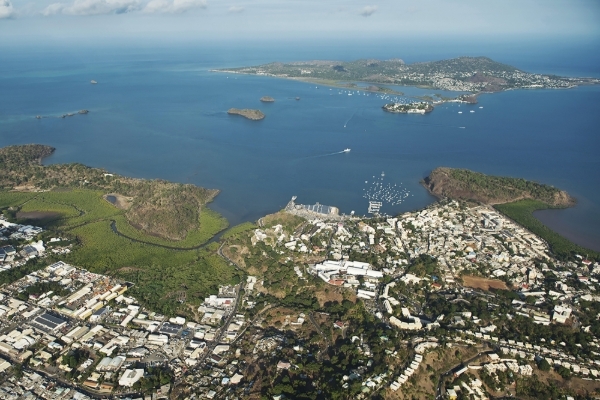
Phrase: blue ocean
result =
(159, 112)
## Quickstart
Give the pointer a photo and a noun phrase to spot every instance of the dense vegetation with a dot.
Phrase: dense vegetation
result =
(40, 288)
(166, 279)
(464, 184)
(159, 208)
(322, 376)
(522, 212)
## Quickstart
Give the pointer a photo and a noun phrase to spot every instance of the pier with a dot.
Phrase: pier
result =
(313, 211)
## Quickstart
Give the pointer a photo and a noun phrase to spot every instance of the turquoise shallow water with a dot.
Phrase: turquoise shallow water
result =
(160, 113)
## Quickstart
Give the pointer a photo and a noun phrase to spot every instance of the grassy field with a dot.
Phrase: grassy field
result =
(13, 199)
(236, 230)
(522, 213)
(162, 276)
(75, 207)
(211, 223)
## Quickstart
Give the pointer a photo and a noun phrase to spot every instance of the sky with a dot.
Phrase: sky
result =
(59, 20)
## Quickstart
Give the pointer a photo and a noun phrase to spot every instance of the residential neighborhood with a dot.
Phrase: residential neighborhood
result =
(453, 282)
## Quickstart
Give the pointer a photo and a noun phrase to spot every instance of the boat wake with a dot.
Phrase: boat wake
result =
(328, 154)
(352, 116)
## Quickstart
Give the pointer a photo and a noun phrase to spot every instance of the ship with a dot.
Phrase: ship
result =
(346, 151)
(93, 82)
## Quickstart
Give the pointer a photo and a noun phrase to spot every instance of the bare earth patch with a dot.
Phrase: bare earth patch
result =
(120, 201)
(127, 269)
(332, 294)
(26, 188)
(478, 282)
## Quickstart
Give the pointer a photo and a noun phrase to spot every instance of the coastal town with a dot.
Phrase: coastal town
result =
(462, 74)
(456, 282)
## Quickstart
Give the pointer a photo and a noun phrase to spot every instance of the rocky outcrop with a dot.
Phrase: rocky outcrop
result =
(267, 99)
(254, 115)
(410, 108)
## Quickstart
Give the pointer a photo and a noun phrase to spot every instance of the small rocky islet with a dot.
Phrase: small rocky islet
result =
(254, 115)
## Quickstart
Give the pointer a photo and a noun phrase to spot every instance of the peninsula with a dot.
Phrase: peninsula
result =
(516, 198)
(158, 208)
(254, 115)
(463, 184)
(467, 74)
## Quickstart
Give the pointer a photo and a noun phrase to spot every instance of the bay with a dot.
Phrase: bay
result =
(161, 113)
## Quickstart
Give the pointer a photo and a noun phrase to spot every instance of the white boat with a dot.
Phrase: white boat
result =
(93, 82)
(472, 111)
(346, 151)
(460, 112)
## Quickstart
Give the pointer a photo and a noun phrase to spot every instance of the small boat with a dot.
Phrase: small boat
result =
(93, 82)
(346, 151)
(472, 111)
(460, 112)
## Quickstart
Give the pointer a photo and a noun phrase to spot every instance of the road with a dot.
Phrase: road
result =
(439, 391)
(318, 328)
(258, 314)
(221, 331)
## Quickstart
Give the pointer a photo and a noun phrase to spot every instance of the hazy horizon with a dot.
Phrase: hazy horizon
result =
(24, 22)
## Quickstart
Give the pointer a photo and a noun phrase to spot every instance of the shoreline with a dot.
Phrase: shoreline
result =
(566, 234)
(552, 221)
(333, 83)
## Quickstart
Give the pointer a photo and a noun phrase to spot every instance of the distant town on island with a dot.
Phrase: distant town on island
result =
(463, 74)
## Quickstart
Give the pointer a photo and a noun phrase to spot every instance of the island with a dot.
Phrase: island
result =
(466, 74)
(81, 112)
(254, 115)
(419, 107)
(267, 99)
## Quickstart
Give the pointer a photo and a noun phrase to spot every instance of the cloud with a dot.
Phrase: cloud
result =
(52, 9)
(236, 9)
(92, 7)
(175, 6)
(6, 9)
(368, 11)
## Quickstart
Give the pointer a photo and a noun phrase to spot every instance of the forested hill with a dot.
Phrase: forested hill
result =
(165, 209)
(468, 185)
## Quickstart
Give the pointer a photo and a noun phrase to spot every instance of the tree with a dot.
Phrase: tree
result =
(544, 365)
